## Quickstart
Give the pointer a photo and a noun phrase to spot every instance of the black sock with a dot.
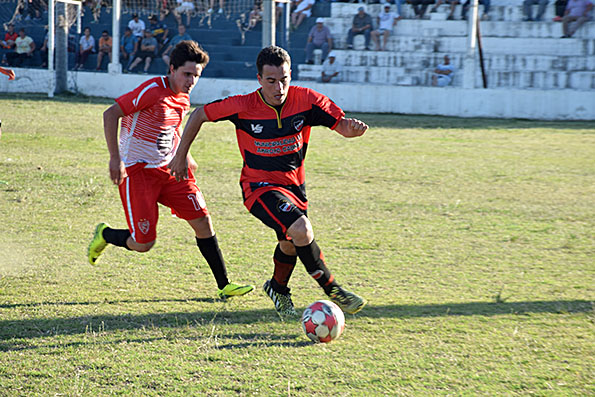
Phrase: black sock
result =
(313, 260)
(209, 248)
(284, 265)
(116, 237)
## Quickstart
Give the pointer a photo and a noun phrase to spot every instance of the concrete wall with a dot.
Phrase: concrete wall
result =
(449, 101)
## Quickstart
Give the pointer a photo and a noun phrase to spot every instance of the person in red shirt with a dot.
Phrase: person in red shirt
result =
(10, 37)
(273, 130)
(152, 116)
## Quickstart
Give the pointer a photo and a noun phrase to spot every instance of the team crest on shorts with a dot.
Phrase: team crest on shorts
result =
(143, 226)
(285, 206)
(298, 123)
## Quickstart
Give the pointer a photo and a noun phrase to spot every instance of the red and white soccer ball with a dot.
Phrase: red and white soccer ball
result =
(323, 321)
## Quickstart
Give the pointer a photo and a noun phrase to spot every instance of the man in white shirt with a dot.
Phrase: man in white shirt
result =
(331, 69)
(386, 20)
(302, 11)
(443, 73)
(137, 26)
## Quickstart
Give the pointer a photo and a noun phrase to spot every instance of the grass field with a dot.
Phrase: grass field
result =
(473, 240)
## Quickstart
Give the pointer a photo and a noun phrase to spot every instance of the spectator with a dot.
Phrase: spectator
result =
(105, 47)
(331, 69)
(319, 37)
(386, 21)
(137, 26)
(527, 9)
(10, 37)
(362, 24)
(23, 50)
(486, 9)
(577, 11)
(443, 73)
(128, 46)
(86, 48)
(212, 5)
(148, 51)
(560, 8)
(43, 51)
(181, 36)
(419, 13)
(453, 6)
(159, 29)
(302, 11)
(184, 7)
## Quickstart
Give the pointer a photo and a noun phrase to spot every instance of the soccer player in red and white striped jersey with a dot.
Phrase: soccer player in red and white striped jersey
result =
(152, 116)
(273, 130)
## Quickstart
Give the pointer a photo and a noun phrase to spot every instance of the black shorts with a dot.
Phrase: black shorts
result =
(278, 211)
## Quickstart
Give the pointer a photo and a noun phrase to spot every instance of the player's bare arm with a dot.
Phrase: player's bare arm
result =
(351, 128)
(179, 165)
(111, 117)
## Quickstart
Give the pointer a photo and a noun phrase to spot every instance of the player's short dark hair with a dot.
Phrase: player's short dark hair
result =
(272, 55)
(188, 50)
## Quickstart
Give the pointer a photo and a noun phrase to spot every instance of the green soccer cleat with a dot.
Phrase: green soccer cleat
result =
(233, 289)
(347, 301)
(98, 244)
(283, 304)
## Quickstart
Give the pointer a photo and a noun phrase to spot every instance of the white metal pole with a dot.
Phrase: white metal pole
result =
(51, 41)
(115, 67)
(469, 64)
(268, 23)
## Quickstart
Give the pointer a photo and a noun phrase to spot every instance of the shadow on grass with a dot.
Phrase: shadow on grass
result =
(40, 327)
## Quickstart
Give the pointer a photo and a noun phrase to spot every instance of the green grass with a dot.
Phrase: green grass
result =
(473, 240)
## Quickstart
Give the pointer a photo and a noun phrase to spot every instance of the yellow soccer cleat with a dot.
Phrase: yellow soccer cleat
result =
(98, 244)
(233, 289)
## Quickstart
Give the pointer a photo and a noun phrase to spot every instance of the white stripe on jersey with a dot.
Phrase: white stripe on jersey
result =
(128, 205)
(136, 100)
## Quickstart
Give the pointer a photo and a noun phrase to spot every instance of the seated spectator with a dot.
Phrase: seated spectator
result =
(212, 6)
(386, 21)
(419, 13)
(331, 69)
(10, 37)
(23, 50)
(527, 9)
(319, 37)
(443, 73)
(159, 29)
(453, 6)
(577, 11)
(147, 51)
(560, 8)
(362, 24)
(128, 46)
(184, 7)
(182, 35)
(486, 9)
(86, 48)
(302, 11)
(104, 48)
(137, 26)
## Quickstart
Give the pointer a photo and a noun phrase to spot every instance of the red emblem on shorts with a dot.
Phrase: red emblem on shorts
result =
(284, 206)
(143, 226)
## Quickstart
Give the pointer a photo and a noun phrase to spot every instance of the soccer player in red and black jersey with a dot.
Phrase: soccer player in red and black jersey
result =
(151, 116)
(273, 129)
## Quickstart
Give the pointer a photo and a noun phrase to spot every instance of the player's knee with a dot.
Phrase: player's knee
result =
(301, 232)
(287, 248)
(143, 247)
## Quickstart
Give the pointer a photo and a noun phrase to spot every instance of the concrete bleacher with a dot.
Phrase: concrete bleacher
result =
(517, 54)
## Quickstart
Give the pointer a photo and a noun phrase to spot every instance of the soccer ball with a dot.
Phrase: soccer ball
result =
(323, 321)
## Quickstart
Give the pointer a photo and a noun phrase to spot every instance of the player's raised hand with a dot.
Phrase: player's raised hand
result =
(350, 128)
(117, 170)
(178, 168)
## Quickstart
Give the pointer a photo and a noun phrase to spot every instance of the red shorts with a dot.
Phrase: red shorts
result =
(144, 187)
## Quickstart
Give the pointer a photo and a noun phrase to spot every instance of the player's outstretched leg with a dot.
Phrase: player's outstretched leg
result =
(233, 289)
(283, 303)
(98, 243)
